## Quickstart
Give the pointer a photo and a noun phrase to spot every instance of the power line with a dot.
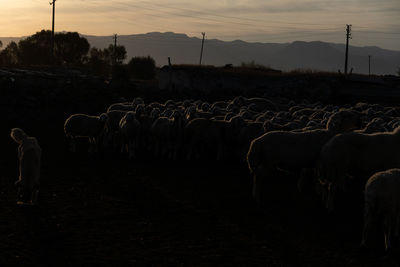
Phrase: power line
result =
(219, 20)
(233, 17)
(212, 19)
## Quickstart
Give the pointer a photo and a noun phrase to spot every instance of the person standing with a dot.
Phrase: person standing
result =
(29, 154)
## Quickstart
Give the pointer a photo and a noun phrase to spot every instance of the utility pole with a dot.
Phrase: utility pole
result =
(115, 50)
(369, 65)
(348, 36)
(202, 45)
(52, 27)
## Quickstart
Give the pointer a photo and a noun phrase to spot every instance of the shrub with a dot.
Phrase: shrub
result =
(142, 68)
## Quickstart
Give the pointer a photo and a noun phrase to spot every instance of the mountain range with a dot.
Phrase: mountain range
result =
(315, 55)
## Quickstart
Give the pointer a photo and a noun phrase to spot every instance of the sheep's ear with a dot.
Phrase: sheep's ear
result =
(332, 124)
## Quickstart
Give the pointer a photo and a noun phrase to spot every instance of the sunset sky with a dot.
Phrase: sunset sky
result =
(375, 22)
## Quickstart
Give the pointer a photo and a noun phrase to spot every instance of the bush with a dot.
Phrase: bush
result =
(142, 68)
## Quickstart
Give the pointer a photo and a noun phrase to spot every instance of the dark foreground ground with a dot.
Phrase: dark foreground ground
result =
(107, 211)
(96, 212)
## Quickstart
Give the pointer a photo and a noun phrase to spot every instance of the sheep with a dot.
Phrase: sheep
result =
(233, 108)
(156, 105)
(205, 107)
(246, 134)
(137, 101)
(220, 104)
(374, 126)
(82, 125)
(167, 133)
(295, 108)
(130, 133)
(146, 122)
(205, 136)
(229, 116)
(382, 201)
(356, 153)
(112, 130)
(293, 150)
(186, 103)
(260, 104)
(305, 111)
(121, 106)
(155, 113)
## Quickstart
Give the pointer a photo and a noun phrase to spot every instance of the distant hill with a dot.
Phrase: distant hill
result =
(285, 56)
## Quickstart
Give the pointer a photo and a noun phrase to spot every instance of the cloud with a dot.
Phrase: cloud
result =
(235, 19)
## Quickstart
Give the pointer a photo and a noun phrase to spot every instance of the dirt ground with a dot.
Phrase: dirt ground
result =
(98, 210)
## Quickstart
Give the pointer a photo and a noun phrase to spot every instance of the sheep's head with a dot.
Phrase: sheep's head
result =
(137, 101)
(229, 116)
(267, 125)
(169, 103)
(190, 113)
(186, 103)
(130, 116)
(103, 117)
(178, 118)
(344, 120)
(205, 107)
(155, 113)
(140, 110)
(238, 101)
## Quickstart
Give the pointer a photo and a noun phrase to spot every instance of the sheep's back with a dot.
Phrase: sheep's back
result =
(82, 125)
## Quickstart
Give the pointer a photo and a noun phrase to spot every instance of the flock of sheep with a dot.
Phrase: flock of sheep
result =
(331, 144)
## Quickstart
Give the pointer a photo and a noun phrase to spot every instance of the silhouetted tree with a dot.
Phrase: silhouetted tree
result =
(143, 68)
(70, 48)
(9, 55)
(119, 53)
(1, 44)
(99, 61)
(36, 49)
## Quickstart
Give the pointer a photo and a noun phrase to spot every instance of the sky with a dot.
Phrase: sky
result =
(374, 22)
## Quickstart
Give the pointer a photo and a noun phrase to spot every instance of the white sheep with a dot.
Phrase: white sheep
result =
(293, 151)
(130, 133)
(167, 135)
(207, 137)
(82, 125)
(358, 154)
(112, 131)
(121, 106)
(382, 202)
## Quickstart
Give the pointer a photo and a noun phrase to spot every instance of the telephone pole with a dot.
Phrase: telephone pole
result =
(115, 50)
(202, 45)
(348, 36)
(52, 27)
(369, 65)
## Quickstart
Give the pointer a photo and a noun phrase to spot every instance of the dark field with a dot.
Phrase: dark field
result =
(103, 209)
